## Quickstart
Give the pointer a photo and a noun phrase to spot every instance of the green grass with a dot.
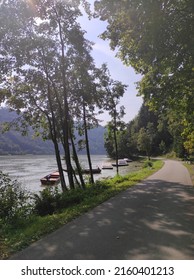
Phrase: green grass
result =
(190, 168)
(14, 239)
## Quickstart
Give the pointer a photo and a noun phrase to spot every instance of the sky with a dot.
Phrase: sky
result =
(103, 54)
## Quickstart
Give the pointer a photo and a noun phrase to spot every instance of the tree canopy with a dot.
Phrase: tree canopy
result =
(156, 38)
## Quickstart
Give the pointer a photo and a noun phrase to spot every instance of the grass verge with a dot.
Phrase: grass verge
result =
(16, 238)
(190, 168)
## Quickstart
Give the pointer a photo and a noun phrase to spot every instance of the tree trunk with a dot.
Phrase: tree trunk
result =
(66, 112)
(60, 168)
(87, 144)
(115, 140)
(52, 125)
(77, 162)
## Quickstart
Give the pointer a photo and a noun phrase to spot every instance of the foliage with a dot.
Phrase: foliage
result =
(14, 201)
(148, 133)
(114, 90)
(144, 141)
(148, 163)
(49, 74)
(156, 38)
(51, 200)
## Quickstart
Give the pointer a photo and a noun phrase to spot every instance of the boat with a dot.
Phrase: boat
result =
(107, 166)
(87, 170)
(51, 179)
(127, 159)
(121, 162)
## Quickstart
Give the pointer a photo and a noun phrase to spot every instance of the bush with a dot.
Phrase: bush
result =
(50, 200)
(14, 201)
(148, 163)
(47, 201)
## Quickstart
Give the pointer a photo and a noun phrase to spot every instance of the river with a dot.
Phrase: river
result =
(29, 169)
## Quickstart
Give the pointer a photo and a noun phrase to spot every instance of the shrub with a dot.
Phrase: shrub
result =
(101, 185)
(148, 163)
(14, 201)
(51, 200)
(47, 201)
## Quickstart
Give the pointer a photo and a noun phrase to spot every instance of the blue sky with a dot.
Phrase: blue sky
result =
(103, 54)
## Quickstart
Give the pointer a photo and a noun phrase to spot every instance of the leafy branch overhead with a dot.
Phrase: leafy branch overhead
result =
(156, 38)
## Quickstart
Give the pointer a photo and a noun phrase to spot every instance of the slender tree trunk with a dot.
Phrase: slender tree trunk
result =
(116, 150)
(115, 140)
(60, 168)
(77, 162)
(87, 144)
(52, 126)
(66, 112)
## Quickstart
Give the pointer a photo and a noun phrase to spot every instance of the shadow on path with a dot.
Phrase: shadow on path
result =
(153, 220)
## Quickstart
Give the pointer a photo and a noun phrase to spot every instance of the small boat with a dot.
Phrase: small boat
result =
(87, 170)
(107, 166)
(128, 159)
(51, 179)
(121, 162)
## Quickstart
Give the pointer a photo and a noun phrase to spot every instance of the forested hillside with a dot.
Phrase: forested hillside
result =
(13, 142)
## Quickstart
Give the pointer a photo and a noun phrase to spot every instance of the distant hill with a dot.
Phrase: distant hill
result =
(14, 143)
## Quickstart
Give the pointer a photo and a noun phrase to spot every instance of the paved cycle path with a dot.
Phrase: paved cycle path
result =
(153, 220)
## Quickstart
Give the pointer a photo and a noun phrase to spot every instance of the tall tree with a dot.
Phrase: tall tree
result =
(39, 63)
(113, 91)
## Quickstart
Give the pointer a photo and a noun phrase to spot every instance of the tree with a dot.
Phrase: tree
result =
(144, 142)
(113, 91)
(85, 99)
(162, 135)
(39, 62)
(155, 37)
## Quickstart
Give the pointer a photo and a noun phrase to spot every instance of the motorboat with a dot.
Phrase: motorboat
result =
(121, 162)
(127, 159)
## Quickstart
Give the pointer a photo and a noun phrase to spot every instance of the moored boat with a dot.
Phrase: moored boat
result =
(121, 162)
(127, 159)
(87, 170)
(107, 166)
(51, 179)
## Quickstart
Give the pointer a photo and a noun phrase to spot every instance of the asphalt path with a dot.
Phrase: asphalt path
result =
(152, 220)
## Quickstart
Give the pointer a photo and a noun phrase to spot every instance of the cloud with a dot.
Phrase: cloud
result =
(104, 48)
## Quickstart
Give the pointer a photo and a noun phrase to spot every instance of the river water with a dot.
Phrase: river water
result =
(29, 169)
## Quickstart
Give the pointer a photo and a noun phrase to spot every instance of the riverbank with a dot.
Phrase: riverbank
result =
(14, 239)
